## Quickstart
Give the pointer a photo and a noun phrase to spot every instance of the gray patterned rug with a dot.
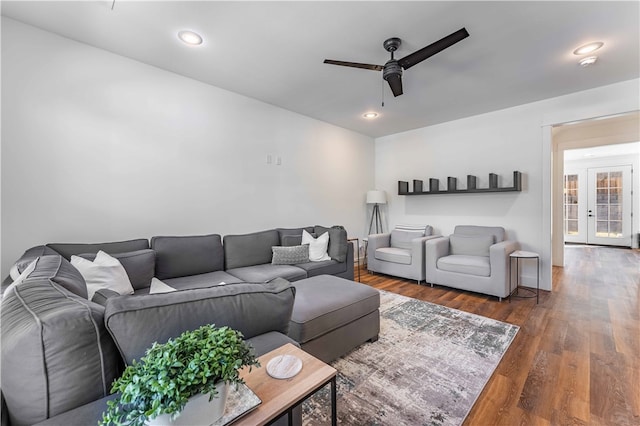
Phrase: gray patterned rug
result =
(428, 367)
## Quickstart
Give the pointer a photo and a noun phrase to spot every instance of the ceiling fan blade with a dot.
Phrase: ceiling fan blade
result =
(430, 50)
(395, 83)
(355, 65)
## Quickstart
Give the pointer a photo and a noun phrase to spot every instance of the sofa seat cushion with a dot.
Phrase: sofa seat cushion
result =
(330, 267)
(56, 354)
(201, 280)
(325, 303)
(266, 342)
(394, 255)
(267, 272)
(470, 265)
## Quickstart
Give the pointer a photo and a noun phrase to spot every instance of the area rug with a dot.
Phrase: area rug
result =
(427, 368)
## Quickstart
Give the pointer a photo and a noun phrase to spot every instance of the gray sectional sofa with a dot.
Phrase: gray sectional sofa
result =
(61, 352)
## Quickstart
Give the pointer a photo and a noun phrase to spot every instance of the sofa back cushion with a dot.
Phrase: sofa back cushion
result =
(68, 249)
(56, 352)
(249, 249)
(293, 236)
(338, 245)
(470, 245)
(187, 255)
(253, 309)
(140, 265)
(497, 231)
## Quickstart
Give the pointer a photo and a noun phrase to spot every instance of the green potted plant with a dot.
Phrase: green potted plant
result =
(174, 379)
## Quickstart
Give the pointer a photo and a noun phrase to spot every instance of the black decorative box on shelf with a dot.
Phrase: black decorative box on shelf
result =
(452, 186)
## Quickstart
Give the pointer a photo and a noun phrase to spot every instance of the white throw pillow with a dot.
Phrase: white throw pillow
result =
(317, 246)
(104, 272)
(158, 286)
(23, 276)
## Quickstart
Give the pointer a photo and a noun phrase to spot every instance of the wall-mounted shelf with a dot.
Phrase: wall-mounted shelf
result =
(452, 186)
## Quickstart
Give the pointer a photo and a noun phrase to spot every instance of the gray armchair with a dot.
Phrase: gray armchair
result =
(400, 252)
(474, 258)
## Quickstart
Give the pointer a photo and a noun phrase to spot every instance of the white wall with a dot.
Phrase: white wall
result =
(98, 147)
(497, 142)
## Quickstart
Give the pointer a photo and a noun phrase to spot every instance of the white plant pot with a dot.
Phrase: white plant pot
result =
(198, 410)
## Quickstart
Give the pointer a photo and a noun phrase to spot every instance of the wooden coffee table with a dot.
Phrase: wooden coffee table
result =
(281, 396)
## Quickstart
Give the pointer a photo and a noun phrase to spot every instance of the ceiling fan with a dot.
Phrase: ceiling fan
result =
(392, 70)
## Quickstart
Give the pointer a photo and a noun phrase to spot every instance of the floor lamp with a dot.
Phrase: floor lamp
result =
(376, 198)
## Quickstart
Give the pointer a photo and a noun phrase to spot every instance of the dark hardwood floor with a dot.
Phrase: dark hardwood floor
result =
(576, 358)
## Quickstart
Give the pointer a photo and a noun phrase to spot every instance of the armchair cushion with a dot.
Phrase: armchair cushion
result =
(393, 254)
(470, 245)
(402, 235)
(470, 265)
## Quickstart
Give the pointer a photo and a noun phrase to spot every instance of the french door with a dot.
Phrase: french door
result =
(597, 206)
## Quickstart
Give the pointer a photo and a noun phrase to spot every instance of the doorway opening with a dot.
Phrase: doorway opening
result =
(598, 138)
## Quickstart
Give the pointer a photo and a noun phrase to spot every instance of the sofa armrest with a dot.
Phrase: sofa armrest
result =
(418, 244)
(499, 261)
(499, 255)
(375, 241)
(435, 248)
(253, 309)
(502, 250)
(100, 297)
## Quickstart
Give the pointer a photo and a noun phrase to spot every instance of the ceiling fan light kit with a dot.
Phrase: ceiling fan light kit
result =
(588, 48)
(392, 70)
(189, 37)
(590, 60)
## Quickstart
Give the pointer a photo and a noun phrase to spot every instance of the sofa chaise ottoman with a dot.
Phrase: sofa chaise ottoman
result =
(331, 316)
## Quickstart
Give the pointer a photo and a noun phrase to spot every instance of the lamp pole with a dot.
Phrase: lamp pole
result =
(375, 215)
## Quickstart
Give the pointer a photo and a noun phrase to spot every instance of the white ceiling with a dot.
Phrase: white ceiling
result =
(623, 149)
(517, 52)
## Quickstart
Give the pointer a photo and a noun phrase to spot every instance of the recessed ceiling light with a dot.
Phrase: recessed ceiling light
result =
(370, 115)
(588, 48)
(190, 38)
(590, 60)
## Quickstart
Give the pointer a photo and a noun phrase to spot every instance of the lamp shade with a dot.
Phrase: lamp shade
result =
(376, 197)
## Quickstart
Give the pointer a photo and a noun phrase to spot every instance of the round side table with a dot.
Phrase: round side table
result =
(517, 255)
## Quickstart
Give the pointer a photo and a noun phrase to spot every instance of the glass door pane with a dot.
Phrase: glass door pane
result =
(609, 206)
(571, 225)
(609, 198)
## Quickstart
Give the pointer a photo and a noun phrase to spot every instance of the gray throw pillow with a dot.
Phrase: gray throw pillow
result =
(477, 245)
(290, 255)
